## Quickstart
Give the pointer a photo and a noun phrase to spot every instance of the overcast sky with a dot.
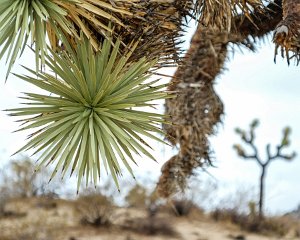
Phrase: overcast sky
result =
(252, 87)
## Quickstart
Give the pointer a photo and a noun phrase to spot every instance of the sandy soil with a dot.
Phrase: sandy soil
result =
(38, 219)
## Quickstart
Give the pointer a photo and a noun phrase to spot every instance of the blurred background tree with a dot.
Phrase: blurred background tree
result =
(248, 138)
(19, 180)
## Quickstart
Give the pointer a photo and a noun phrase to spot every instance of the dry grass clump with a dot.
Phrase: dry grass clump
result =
(4, 198)
(137, 197)
(12, 215)
(141, 197)
(29, 229)
(273, 225)
(297, 232)
(151, 226)
(184, 207)
(20, 180)
(46, 203)
(94, 210)
(279, 226)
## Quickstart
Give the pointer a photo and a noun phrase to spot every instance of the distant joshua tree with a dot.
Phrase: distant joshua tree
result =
(248, 138)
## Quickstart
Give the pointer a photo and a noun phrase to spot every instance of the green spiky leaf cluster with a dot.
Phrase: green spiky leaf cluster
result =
(94, 111)
(20, 19)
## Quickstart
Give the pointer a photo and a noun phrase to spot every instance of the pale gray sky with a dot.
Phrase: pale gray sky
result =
(253, 87)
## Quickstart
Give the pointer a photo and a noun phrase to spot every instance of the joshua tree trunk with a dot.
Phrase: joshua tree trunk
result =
(262, 190)
(197, 108)
(248, 138)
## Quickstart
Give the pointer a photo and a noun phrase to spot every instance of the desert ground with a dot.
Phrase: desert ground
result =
(42, 218)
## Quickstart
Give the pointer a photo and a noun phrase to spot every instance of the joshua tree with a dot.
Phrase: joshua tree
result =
(196, 111)
(101, 54)
(248, 138)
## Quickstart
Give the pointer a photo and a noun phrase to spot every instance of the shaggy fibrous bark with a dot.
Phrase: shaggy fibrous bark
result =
(287, 33)
(197, 108)
(263, 22)
(221, 13)
(156, 25)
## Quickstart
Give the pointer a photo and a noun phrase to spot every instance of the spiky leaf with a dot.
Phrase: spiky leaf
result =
(24, 19)
(21, 19)
(91, 113)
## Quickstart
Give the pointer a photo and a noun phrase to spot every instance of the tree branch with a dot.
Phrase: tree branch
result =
(254, 148)
(278, 154)
(263, 22)
(287, 32)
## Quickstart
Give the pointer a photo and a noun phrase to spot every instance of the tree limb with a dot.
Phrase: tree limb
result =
(287, 32)
(263, 22)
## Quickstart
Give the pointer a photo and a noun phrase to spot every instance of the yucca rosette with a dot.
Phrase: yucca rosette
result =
(95, 113)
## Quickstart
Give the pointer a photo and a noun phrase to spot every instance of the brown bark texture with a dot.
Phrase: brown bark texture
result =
(263, 21)
(287, 32)
(197, 108)
(221, 13)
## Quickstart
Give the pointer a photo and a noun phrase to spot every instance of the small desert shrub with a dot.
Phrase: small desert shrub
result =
(151, 226)
(227, 215)
(20, 180)
(184, 208)
(30, 229)
(95, 209)
(137, 197)
(13, 215)
(276, 226)
(297, 232)
(5, 195)
(141, 197)
(46, 203)
(5, 238)
(3, 200)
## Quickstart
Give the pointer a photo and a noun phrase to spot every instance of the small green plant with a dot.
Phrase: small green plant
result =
(248, 138)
